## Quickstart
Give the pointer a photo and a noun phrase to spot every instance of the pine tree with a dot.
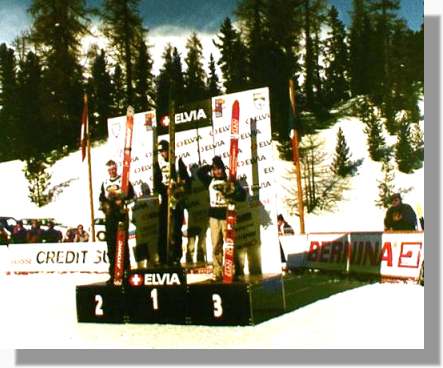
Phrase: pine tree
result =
(30, 111)
(123, 26)
(170, 81)
(375, 137)
(253, 14)
(406, 86)
(404, 151)
(361, 48)
(144, 79)
(212, 85)
(39, 180)
(271, 32)
(195, 75)
(57, 29)
(418, 143)
(341, 165)
(118, 92)
(384, 14)
(177, 79)
(233, 55)
(336, 85)
(386, 186)
(163, 83)
(100, 96)
(322, 190)
(8, 94)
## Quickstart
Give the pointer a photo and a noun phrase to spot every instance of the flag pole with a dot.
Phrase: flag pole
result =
(296, 158)
(85, 124)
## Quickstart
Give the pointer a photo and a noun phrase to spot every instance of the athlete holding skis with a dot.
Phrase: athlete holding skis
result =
(112, 203)
(174, 195)
(221, 193)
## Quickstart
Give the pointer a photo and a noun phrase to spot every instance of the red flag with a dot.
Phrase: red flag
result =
(84, 127)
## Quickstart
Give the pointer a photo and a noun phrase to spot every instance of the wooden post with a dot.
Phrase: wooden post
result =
(88, 147)
(296, 158)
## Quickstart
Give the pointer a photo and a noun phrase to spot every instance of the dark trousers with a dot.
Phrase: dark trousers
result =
(170, 253)
(111, 226)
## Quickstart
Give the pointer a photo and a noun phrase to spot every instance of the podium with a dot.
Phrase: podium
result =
(248, 301)
(162, 295)
(156, 295)
(100, 303)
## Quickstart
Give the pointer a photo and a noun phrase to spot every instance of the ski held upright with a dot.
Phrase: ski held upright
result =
(231, 213)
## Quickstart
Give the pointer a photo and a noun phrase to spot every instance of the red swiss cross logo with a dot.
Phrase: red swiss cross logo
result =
(135, 280)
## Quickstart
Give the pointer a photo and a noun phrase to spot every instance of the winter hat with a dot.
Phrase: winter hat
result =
(163, 145)
(218, 162)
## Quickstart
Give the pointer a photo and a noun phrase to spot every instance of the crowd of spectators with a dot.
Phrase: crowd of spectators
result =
(35, 234)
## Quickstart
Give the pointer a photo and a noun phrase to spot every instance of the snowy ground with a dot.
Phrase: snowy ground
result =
(43, 315)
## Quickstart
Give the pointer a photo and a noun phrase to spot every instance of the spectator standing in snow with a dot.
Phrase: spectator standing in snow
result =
(400, 216)
(52, 235)
(19, 233)
(112, 203)
(221, 193)
(35, 233)
(283, 229)
(81, 235)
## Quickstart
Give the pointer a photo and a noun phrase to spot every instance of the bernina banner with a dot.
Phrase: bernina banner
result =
(389, 255)
(58, 257)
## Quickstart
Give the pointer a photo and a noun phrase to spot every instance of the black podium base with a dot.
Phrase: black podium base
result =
(163, 296)
(100, 303)
(248, 301)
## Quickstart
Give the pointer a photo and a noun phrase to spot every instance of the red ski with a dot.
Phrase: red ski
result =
(231, 214)
(119, 265)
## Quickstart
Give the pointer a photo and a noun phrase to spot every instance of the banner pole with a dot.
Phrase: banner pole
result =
(296, 159)
(91, 197)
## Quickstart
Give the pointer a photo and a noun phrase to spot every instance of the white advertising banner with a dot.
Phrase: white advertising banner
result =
(58, 257)
(401, 255)
(4, 259)
(327, 251)
(388, 255)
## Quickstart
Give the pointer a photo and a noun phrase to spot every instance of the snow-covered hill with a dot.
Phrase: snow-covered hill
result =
(357, 211)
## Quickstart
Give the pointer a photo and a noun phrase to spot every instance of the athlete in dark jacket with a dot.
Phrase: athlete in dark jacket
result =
(181, 183)
(400, 216)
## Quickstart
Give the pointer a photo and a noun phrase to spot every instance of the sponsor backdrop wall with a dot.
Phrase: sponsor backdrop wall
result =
(203, 131)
